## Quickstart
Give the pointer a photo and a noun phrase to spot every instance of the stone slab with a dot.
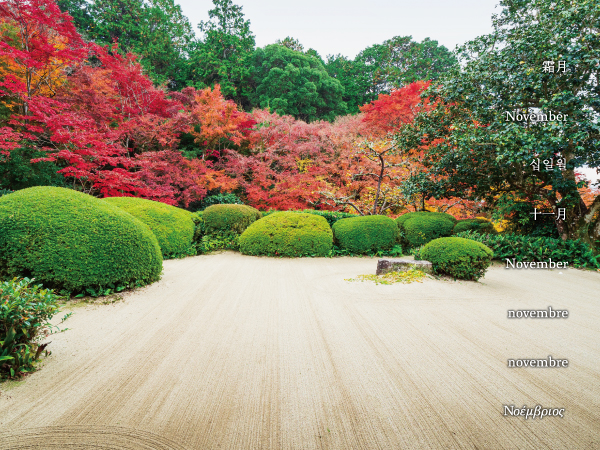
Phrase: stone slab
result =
(401, 265)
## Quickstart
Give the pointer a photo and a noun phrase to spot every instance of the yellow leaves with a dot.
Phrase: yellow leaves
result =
(501, 226)
(44, 80)
(303, 165)
(406, 277)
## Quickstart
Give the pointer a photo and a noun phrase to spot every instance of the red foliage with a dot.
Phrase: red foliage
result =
(109, 128)
(44, 44)
(116, 134)
(289, 162)
(219, 119)
(390, 112)
(173, 179)
(9, 140)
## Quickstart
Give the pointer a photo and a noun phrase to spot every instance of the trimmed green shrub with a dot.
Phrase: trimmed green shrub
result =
(173, 227)
(479, 225)
(288, 234)
(530, 248)
(411, 215)
(331, 216)
(458, 257)
(25, 313)
(367, 234)
(422, 228)
(73, 241)
(229, 218)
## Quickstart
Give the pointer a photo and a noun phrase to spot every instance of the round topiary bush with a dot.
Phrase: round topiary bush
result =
(288, 234)
(229, 218)
(458, 257)
(173, 227)
(419, 229)
(479, 225)
(366, 234)
(411, 215)
(69, 240)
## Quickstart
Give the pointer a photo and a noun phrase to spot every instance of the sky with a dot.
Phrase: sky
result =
(346, 27)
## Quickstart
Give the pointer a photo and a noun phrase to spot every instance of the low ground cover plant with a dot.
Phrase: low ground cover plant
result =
(540, 248)
(458, 257)
(173, 227)
(74, 243)
(418, 228)
(25, 312)
(288, 234)
(364, 235)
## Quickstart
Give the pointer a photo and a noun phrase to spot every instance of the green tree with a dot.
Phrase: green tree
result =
(156, 30)
(221, 55)
(291, 82)
(291, 43)
(355, 77)
(476, 147)
(400, 61)
(382, 67)
(80, 11)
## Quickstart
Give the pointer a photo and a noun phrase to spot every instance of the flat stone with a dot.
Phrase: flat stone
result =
(401, 265)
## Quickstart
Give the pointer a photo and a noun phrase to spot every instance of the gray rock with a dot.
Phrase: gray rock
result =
(401, 265)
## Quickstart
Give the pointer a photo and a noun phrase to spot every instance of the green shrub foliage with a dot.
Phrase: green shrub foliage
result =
(221, 199)
(198, 220)
(229, 218)
(458, 257)
(364, 235)
(173, 227)
(288, 234)
(411, 215)
(331, 216)
(419, 228)
(25, 313)
(72, 241)
(531, 248)
(478, 225)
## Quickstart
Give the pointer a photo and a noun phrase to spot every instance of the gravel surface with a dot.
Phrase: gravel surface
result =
(236, 352)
